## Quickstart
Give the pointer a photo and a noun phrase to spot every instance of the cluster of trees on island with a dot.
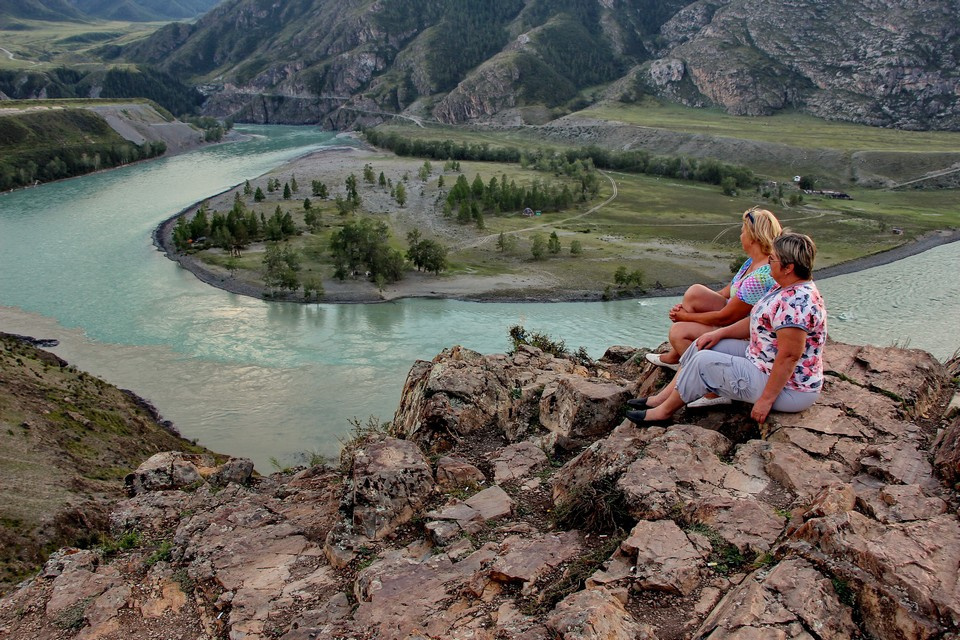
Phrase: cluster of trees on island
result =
(473, 200)
(361, 246)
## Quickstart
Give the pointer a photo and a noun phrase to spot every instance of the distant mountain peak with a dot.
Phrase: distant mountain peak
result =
(336, 62)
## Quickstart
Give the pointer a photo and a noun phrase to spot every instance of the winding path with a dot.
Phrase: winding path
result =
(12, 57)
(484, 239)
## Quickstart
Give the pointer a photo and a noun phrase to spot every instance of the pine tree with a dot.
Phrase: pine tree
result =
(553, 244)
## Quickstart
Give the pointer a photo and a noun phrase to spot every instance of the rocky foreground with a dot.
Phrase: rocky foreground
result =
(509, 499)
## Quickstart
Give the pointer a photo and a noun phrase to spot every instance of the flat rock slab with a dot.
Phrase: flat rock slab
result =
(595, 614)
(516, 461)
(491, 503)
(525, 560)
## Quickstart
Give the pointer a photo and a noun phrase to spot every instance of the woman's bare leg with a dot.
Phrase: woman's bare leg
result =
(700, 299)
(682, 335)
(667, 407)
(658, 399)
(696, 299)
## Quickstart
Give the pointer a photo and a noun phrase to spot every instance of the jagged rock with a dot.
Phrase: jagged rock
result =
(399, 596)
(78, 581)
(457, 473)
(604, 459)
(595, 614)
(581, 409)
(946, 450)
(745, 523)
(515, 461)
(868, 525)
(391, 481)
(834, 498)
(910, 376)
(665, 558)
(793, 597)
(919, 559)
(462, 392)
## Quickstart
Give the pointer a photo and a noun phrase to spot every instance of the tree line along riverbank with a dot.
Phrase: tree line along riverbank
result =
(615, 237)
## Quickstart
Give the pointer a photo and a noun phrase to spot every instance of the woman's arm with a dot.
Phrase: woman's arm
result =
(734, 310)
(737, 331)
(790, 344)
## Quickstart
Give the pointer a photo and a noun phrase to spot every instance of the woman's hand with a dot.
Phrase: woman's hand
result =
(761, 410)
(678, 313)
(709, 340)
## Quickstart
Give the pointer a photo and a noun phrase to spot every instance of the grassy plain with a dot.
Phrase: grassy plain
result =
(41, 46)
(794, 129)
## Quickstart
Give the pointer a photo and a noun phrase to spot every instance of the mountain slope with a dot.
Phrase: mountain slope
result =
(885, 63)
(49, 10)
(338, 62)
(144, 10)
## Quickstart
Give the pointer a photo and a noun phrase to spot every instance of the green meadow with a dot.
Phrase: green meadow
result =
(794, 129)
(41, 46)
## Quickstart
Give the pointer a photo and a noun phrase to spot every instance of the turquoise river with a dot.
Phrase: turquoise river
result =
(272, 381)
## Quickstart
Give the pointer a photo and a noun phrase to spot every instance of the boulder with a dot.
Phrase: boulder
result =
(665, 559)
(582, 409)
(391, 481)
(457, 473)
(167, 470)
(524, 560)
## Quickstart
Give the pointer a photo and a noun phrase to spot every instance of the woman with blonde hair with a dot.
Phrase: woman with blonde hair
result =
(772, 359)
(703, 309)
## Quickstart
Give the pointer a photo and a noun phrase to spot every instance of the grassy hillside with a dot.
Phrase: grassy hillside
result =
(67, 439)
(43, 45)
(57, 142)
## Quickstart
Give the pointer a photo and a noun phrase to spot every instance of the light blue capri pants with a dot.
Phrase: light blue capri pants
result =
(726, 371)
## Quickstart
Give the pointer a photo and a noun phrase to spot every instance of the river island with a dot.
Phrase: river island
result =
(631, 236)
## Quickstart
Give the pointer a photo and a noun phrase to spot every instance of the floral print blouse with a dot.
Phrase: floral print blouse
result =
(798, 305)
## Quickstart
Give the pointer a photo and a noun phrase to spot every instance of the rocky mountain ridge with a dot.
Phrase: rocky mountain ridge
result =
(341, 62)
(85, 10)
(509, 500)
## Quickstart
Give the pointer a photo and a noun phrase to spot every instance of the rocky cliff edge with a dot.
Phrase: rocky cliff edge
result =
(509, 499)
